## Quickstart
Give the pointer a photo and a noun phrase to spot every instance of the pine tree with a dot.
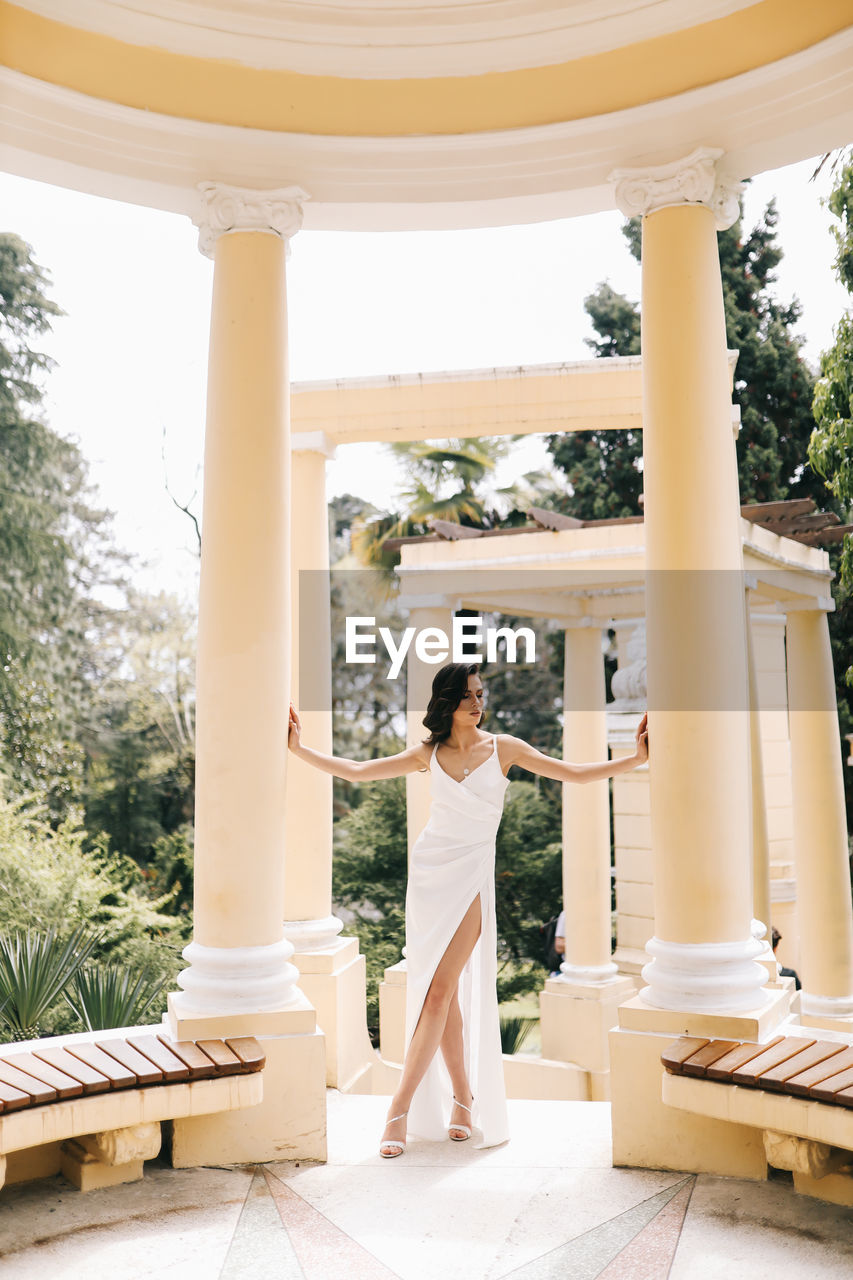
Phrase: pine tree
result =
(48, 550)
(773, 386)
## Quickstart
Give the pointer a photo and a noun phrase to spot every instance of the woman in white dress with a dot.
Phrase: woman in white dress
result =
(451, 937)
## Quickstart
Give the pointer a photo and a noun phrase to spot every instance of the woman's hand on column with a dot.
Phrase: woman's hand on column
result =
(294, 729)
(642, 751)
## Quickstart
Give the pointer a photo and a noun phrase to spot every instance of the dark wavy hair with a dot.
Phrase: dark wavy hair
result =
(448, 687)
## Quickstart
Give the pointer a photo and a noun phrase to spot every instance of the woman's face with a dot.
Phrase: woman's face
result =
(470, 708)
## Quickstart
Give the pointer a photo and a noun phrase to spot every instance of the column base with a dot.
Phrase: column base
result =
(334, 980)
(290, 1123)
(186, 1023)
(712, 976)
(576, 1017)
(312, 935)
(648, 1133)
(826, 1011)
(630, 962)
(237, 982)
(392, 1013)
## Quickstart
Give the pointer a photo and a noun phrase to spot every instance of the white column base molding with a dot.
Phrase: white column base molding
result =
(718, 977)
(583, 975)
(236, 980)
(826, 1006)
(312, 935)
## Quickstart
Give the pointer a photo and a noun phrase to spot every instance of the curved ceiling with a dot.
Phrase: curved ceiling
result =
(387, 38)
(399, 115)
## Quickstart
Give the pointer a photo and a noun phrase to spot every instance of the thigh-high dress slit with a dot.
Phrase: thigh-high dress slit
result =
(452, 862)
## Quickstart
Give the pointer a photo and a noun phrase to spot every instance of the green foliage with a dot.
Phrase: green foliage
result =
(169, 874)
(514, 1032)
(831, 447)
(841, 206)
(446, 480)
(369, 881)
(52, 550)
(50, 879)
(831, 450)
(528, 885)
(140, 758)
(105, 996)
(773, 386)
(35, 968)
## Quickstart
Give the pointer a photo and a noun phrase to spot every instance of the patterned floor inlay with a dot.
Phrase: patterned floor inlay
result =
(649, 1255)
(324, 1251)
(260, 1247)
(590, 1255)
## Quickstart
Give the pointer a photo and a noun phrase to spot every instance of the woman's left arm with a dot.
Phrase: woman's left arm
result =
(517, 751)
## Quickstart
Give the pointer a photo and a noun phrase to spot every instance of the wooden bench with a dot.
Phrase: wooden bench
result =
(104, 1096)
(797, 1089)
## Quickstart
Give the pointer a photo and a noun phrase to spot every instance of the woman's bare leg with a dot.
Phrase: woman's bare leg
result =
(452, 1050)
(433, 1019)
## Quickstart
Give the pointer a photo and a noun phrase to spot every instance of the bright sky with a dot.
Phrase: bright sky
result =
(132, 350)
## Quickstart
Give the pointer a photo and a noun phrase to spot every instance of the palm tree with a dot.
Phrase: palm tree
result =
(446, 480)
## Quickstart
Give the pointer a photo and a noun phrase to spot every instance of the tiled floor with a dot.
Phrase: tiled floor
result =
(547, 1204)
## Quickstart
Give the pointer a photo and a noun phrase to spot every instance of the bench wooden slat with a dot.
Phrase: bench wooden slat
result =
(91, 1080)
(118, 1076)
(144, 1070)
(676, 1054)
(248, 1051)
(170, 1066)
(724, 1067)
(698, 1064)
(844, 1097)
(821, 1051)
(38, 1091)
(750, 1072)
(802, 1084)
(220, 1055)
(12, 1099)
(827, 1089)
(66, 1086)
(199, 1064)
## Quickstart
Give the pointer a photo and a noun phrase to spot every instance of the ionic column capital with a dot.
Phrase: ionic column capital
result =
(695, 179)
(223, 209)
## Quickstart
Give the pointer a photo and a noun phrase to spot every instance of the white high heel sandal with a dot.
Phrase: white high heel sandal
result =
(463, 1128)
(393, 1142)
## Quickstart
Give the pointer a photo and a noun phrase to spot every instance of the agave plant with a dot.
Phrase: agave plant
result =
(35, 968)
(104, 996)
(514, 1032)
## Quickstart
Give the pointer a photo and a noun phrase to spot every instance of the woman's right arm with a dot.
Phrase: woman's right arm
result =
(408, 761)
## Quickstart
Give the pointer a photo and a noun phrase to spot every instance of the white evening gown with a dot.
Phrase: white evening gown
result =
(453, 860)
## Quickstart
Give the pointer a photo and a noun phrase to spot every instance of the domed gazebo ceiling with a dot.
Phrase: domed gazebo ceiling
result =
(401, 115)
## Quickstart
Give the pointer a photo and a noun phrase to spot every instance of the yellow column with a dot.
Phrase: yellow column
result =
(820, 827)
(331, 971)
(240, 979)
(703, 952)
(760, 844)
(424, 612)
(309, 923)
(703, 978)
(586, 813)
(579, 1008)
